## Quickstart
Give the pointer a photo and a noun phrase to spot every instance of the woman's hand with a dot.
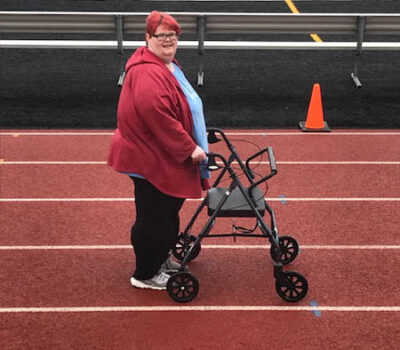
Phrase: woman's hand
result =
(198, 155)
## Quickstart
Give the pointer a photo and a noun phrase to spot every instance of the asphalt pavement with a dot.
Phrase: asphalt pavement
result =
(243, 89)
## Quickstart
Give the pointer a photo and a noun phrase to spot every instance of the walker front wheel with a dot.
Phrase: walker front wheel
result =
(291, 286)
(182, 287)
(182, 247)
(288, 250)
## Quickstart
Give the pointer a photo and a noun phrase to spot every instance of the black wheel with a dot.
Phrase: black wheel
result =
(182, 287)
(288, 250)
(185, 242)
(292, 287)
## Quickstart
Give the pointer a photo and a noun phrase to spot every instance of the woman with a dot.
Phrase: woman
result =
(159, 141)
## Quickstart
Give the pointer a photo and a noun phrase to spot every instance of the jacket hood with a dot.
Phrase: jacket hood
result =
(144, 56)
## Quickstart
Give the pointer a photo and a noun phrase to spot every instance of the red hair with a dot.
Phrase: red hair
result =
(156, 18)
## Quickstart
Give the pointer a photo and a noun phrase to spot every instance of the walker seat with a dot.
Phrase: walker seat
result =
(236, 204)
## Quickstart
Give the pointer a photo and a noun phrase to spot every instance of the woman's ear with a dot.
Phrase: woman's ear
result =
(147, 37)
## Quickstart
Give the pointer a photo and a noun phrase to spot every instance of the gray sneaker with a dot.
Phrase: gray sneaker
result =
(159, 282)
(170, 265)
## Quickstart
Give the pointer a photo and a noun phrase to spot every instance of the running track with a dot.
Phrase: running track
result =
(66, 261)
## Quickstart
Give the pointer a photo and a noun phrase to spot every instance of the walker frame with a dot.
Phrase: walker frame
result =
(237, 200)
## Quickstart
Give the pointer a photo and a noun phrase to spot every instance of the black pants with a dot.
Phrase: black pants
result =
(156, 228)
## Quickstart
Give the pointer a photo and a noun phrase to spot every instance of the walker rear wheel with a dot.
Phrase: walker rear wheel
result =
(182, 287)
(292, 286)
(185, 242)
(288, 250)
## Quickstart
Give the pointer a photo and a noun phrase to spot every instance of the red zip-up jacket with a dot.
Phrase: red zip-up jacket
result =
(154, 130)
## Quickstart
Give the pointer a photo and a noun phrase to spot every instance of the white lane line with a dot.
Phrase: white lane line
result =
(53, 163)
(305, 246)
(254, 162)
(203, 246)
(198, 308)
(66, 247)
(54, 133)
(346, 247)
(335, 162)
(299, 133)
(384, 199)
(68, 200)
(333, 199)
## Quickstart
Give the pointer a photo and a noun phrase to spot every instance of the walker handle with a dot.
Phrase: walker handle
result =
(271, 157)
(212, 138)
(212, 164)
(272, 164)
(272, 161)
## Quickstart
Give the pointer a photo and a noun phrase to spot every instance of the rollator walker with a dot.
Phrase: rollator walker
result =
(236, 201)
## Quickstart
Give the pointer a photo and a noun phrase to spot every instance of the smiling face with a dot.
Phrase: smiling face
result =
(164, 46)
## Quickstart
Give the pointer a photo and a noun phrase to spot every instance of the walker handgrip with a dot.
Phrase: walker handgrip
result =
(272, 161)
(212, 164)
(212, 138)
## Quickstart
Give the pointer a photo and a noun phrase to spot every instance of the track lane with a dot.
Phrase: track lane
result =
(233, 330)
(100, 277)
(301, 146)
(240, 277)
(294, 180)
(108, 223)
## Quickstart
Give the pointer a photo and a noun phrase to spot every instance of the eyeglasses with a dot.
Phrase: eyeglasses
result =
(165, 36)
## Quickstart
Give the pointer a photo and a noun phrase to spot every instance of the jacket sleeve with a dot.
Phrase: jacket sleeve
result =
(154, 104)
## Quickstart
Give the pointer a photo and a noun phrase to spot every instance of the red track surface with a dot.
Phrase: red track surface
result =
(67, 223)
(335, 211)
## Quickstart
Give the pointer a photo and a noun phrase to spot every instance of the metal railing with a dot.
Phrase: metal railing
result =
(357, 32)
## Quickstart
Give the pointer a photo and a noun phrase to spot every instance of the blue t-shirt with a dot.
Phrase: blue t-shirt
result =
(196, 107)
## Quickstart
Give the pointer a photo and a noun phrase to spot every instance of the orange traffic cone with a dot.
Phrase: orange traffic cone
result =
(315, 115)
